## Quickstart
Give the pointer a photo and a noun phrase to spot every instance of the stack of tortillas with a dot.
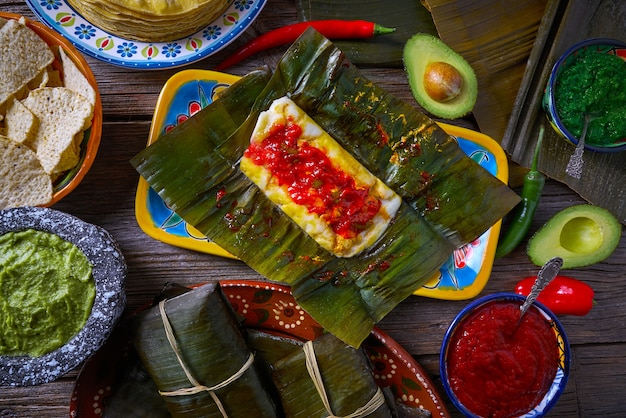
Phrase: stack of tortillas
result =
(43, 115)
(151, 20)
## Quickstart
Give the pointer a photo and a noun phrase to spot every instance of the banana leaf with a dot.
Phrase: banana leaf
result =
(271, 346)
(408, 17)
(212, 349)
(134, 394)
(346, 375)
(398, 144)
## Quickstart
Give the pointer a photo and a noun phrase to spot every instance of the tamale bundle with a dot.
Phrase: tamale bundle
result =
(271, 347)
(328, 378)
(192, 347)
(135, 394)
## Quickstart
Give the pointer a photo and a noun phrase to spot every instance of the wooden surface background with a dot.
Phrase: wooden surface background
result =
(106, 198)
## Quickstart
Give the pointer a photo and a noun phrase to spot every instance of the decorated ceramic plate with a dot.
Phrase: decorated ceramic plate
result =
(91, 40)
(264, 306)
(463, 276)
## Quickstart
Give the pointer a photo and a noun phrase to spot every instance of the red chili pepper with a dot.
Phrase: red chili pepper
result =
(332, 29)
(563, 295)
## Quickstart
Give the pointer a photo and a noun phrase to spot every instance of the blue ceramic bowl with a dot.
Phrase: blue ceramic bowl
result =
(604, 45)
(560, 380)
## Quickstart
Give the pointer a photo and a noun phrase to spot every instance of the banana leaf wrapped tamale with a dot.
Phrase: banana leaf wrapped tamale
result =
(271, 347)
(447, 199)
(192, 347)
(135, 394)
(328, 378)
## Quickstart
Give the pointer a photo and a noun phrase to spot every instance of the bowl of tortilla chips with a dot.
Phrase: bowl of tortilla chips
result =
(50, 114)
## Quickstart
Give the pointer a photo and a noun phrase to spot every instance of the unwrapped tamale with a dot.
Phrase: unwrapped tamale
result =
(448, 200)
(192, 347)
(344, 378)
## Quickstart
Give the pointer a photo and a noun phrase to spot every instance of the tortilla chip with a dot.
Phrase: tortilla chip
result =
(75, 80)
(78, 140)
(42, 80)
(54, 78)
(21, 124)
(24, 55)
(23, 181)
(62, 114)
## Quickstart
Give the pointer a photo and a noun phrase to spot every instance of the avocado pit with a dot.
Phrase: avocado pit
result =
(442, 81)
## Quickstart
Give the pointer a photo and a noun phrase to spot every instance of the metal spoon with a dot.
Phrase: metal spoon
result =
(575, 165)
(545, 276)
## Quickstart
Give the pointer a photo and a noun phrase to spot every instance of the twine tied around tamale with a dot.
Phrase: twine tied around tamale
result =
(311, 365)
(197, 386)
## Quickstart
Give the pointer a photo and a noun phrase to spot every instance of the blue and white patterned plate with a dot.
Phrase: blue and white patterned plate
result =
(93, 41)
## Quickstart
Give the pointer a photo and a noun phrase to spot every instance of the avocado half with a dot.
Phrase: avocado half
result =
(423, 49)
(581, 235)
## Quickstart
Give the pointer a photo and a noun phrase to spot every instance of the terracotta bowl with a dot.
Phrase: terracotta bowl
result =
(89, 147)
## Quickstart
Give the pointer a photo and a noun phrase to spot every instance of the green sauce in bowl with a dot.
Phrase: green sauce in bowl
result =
(593, 82)
(46, 292)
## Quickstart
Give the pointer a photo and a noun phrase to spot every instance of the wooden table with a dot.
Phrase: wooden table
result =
(106, 198)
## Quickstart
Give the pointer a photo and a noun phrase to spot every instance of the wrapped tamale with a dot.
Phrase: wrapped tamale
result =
(134, 393)
(328, 378)
(192, 347)
(271, 347)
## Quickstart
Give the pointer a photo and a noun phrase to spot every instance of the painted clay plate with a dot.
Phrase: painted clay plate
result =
(93, 41)
(268, 307)
(109, 273)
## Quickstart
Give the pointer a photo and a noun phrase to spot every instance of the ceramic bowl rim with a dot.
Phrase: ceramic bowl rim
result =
(552, 395)
(554, 73)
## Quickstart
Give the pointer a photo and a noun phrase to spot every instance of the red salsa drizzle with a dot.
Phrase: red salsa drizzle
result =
(221, 194)
(495, 372)
(313, 181)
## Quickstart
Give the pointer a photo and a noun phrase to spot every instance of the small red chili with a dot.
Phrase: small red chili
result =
(563, 295)
(332, 29)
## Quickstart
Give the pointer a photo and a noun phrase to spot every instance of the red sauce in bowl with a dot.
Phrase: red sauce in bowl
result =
(496, 370)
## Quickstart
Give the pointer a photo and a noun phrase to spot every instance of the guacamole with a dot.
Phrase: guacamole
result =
(46, 292)
(594, 82)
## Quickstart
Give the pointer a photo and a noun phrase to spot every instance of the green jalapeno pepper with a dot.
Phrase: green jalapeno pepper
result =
(524, 212)
(563, 295)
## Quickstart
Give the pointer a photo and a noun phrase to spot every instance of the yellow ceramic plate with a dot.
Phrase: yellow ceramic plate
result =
(463, 276)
